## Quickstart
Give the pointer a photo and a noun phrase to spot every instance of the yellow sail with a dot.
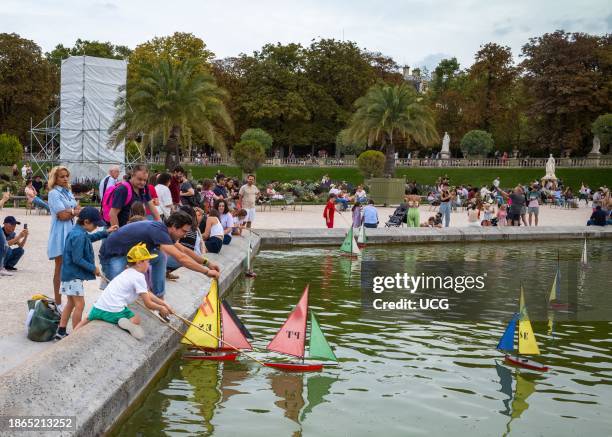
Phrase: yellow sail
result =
(208, 318)
(553, 290)
(527, 342)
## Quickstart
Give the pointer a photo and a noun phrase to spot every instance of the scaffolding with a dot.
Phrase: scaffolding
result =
(45, 143)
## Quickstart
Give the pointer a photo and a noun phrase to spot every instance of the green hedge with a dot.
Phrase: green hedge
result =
(595, 177)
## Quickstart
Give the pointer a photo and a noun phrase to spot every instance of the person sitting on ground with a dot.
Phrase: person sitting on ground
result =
(598, 218)
(32, 198)
(329, 211)
(240, 217)
(438, 220)
(488, 210)
(370, 215)
(361, 195)
(79, 264)
(12, 255)
(160, 238)
(213, 232)
(343, 199)
(124, 289)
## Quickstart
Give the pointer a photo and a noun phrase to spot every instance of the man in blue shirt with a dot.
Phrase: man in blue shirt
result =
(370, 215)
(12, 255)
(220, 190)
(120, 208)
(159, 238)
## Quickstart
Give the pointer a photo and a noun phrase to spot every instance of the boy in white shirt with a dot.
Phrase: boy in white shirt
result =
(123, 290)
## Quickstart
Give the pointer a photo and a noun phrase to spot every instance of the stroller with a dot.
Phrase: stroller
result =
(399, 216)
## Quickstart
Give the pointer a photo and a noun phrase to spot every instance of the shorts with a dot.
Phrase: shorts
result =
(514, 217)
(72, 288)
(213, 244)
(534, 210)
(107, 316)
(523, 210)
(250, 215)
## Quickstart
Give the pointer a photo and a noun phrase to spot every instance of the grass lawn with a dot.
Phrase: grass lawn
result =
(595, 177)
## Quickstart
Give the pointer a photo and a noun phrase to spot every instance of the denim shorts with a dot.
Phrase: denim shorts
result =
(72, 288)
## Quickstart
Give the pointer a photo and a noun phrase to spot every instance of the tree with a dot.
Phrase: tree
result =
(258, 135)
(174, 101)
(477, 143)
(387, 114)
(345, 146)
(602, 127)
(371, 163)
(88, 48)
(28, 84)
(568, 76)
(11, 150)
(249, 155)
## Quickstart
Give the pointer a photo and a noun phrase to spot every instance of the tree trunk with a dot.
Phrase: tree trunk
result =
(390, 158)
(172, 148)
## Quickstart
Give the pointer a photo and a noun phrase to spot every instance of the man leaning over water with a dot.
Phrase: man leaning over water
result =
(161, 239)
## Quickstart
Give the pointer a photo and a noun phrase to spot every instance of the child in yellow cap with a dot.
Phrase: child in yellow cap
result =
(123, 290)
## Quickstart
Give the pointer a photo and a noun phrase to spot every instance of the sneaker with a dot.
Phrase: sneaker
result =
(60, 308)
(5, 273)
(171, 276)
(59, 336)
(136, 331)
(11, 269)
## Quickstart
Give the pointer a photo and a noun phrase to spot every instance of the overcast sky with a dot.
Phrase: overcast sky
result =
(413, 32)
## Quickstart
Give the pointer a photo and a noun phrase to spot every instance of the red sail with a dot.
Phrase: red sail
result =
(290, 339)
(231, 333)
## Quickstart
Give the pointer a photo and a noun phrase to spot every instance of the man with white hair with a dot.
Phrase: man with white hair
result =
(111, 179)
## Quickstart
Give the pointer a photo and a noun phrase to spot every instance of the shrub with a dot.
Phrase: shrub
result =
(249, 155)
(602, 127)
(477, 142)
(259, 135)
(371, 163)
(11, 150)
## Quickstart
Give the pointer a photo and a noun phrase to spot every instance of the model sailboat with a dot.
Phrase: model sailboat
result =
(361, 238)
(349, 246)
(583, 258)
(527, 344)
(248, 267)
(219, 322)
(554, 298)
(291, 340)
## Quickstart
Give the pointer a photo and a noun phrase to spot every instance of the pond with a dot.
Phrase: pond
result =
(400, 376)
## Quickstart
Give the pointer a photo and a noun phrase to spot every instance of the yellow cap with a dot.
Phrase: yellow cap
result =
(139, 253)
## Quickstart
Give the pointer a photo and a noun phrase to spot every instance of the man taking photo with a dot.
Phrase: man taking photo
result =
(13, 254)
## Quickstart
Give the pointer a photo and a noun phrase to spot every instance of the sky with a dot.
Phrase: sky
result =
(413, 32)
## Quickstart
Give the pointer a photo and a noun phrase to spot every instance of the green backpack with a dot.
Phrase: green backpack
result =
(45, 320)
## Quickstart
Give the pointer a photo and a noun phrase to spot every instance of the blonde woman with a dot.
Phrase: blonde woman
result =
(64, 209)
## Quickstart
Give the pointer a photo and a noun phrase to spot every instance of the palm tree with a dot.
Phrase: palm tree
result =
(174, 101)
(388, 113)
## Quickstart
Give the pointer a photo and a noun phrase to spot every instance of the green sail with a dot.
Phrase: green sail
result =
(319, 347)
(347, 244)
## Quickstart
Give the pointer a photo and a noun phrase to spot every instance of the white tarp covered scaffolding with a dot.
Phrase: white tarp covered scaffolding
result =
(90, 86)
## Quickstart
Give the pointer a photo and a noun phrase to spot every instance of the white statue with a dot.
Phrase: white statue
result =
(445, 152)
(550, 168)
(596, 146)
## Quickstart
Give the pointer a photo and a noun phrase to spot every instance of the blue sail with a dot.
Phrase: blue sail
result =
(506, 342)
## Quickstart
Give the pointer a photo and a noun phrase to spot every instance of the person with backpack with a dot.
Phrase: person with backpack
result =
(110, 180)
(118, 199)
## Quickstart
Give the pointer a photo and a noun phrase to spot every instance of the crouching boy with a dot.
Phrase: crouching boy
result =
(123, 290)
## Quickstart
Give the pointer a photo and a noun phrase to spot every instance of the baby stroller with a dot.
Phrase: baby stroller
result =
(399, 216)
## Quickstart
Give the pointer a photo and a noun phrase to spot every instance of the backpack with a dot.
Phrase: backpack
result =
(44, 319)
(107, 201)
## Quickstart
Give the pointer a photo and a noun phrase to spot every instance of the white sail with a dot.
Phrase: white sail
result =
(355, 249)
(361, 239)
(583, 258)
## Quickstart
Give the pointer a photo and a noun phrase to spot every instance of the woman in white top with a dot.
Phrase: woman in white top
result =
(226, 219)
(163, 194)
(213, 233)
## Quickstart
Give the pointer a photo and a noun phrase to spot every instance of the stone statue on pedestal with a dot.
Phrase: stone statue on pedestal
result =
(596, 146)
(550, 172)
(445, 152)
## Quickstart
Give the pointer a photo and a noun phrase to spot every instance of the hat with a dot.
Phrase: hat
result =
(93, 215)
(11, 220)
(139, 253)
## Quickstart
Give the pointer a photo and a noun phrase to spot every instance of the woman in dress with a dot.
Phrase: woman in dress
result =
(64, 209)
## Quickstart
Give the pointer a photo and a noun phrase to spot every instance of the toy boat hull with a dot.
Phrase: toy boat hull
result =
(296, 367)
(525, 363)
(559, 306)
(212, 356)
(350, 255)
(361, 245)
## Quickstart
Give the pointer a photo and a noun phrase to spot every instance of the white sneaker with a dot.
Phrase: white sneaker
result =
(136, 331)
(60, 308)
(5, 273)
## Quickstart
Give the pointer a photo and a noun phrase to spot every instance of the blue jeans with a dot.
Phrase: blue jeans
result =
(3, 248)
(115, 265)
(172, 263)
(38, 202)
(227, 239)
(445, 210)
(12, 256)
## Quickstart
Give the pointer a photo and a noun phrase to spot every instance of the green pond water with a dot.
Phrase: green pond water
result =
(397, 377)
